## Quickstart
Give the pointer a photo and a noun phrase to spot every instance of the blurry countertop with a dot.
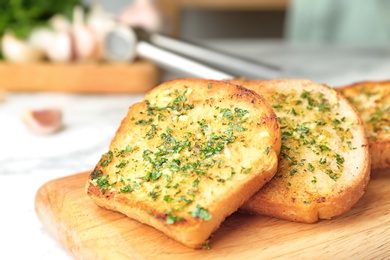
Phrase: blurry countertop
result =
(27, 161)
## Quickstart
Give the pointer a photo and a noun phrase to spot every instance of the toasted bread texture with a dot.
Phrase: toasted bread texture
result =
(372, 100)
(324, 163)
(187, 157)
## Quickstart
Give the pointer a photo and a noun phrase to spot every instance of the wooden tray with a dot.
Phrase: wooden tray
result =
(137, 77)
(90, 232)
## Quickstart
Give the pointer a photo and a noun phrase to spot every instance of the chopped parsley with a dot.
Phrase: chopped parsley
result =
(200, 212)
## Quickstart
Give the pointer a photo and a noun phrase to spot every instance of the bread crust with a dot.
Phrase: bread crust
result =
(372, 100)
(324, 164)
(187, 157)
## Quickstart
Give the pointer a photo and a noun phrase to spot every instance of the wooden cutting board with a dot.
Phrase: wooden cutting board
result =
(90, 232)
(93, 77)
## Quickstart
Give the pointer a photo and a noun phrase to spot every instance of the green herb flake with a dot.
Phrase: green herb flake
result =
(168, 198)
(245, 170)
(277, 106)
(107, 158)
(336, 122)
(340, 160)
(144, 122)
(268, 149)
(122, 164)
(102, 182)
(147, 176)
(156, 175)
(127, 189)
(95, 173)
(226, 112)
(311, 167)
(324, 148)
(200, 212)
(293, 171)
(206, 246)
(154, 195)
(171, 219)
(195, 182)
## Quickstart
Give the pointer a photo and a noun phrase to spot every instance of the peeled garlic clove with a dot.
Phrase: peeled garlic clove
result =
(45, 121)
(19, 51)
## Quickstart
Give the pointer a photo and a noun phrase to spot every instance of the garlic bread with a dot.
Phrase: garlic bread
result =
(324, 163)
(372, 100)
(187, 157)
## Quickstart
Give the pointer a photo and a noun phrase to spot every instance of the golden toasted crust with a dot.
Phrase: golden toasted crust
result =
(188, 156)
(324, 163)
(372, 100)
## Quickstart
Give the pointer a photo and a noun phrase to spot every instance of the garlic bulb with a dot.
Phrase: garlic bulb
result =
(19, 51)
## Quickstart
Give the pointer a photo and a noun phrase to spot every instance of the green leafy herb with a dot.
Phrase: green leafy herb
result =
(168, 198)
(144, 122)
(107, 158)
(267, 150)
(171, 219)
(311, 167)
(200, 212)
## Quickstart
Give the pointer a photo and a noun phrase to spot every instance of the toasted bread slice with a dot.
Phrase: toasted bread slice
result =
(324, 163)
(372, 100)
(187, 157)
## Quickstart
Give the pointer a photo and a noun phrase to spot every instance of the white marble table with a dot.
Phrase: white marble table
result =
(27, 161)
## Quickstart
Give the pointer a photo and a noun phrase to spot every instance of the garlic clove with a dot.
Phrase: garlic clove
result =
(142, 13)
(46, 121)
(61, 49)
(19, 51)
(60, 23)
(86, 43)
(41, 38)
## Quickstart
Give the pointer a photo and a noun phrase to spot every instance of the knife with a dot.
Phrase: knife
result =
(124, 43)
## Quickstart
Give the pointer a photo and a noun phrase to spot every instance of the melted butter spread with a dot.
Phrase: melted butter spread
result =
(373, 103)
(310, 130)
(184, 154)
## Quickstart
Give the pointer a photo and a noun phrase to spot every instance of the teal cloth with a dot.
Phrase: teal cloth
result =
(353, 22)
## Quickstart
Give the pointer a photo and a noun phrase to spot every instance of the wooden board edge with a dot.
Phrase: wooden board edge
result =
(137, 77)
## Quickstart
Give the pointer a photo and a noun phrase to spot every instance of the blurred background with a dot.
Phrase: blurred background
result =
(354, 22)
(347, 22)
(273, 32)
